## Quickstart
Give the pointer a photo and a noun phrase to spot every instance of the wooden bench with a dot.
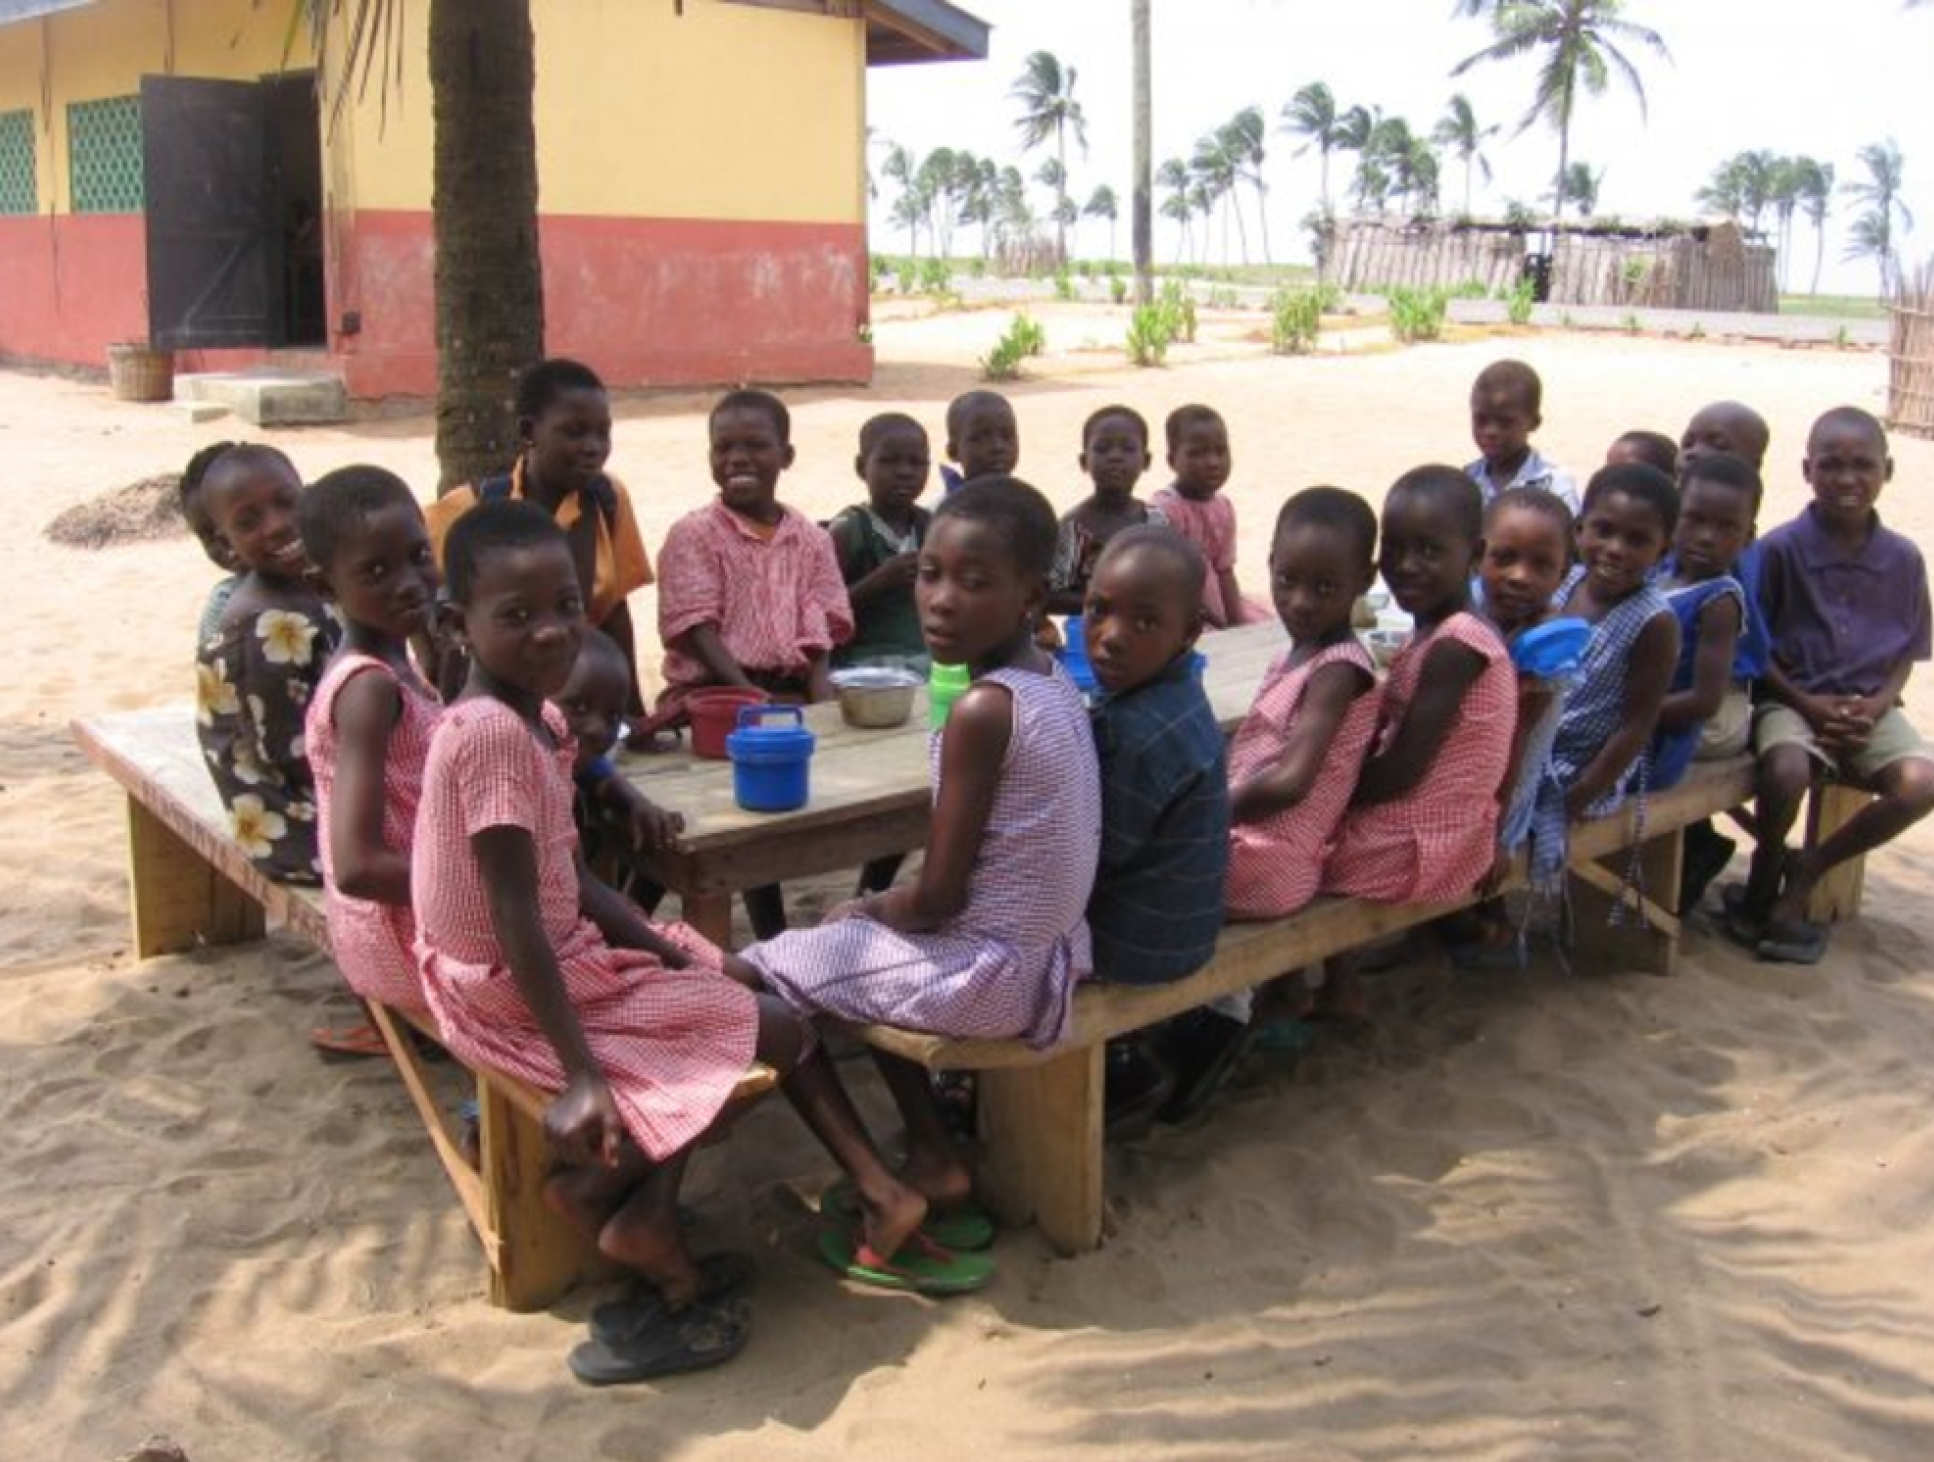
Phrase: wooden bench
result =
(190, 883)
(1040, 1112)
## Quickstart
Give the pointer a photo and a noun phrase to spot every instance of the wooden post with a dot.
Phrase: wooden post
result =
(1837, 896)
(1040, 1127)
(1645, 935)
(534, 1255)
(175, 895)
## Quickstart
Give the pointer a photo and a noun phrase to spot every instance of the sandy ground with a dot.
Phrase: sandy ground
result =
(1534, 1216)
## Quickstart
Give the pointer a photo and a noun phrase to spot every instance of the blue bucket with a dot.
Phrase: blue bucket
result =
(770, 763)
(1073, 656)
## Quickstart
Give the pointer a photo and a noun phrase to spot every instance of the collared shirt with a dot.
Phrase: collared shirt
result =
(1842, 621)
(776, 597)
(1157, 902)
(1536, 471)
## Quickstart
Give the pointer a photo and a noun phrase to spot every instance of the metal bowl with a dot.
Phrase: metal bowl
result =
(875, 696)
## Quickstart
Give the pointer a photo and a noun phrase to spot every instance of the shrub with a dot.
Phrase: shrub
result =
(935, 276)
(877, 269)
(906, 277)
(1223, 298)
(1630, 324)
(1031, 334)
(1063, 284)
(977, 267)
(1520, 302)
(1296, 317)
(1117, 288)
(1085, 268)
(1148, 335)
(1698, 330)
(1178, 311)
(1024, 337)
(1842, 338)
(1470, 289)
(1418, 314)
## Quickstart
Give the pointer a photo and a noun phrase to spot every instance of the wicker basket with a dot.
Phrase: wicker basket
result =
(138, 372)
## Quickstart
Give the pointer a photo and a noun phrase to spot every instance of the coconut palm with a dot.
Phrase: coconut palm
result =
(1242, 138)
(1371, 185)
(1581, 186)
(1141, 216)
(1102, 203)
(908, 209)
(1873, 234)
(1218, 169)
(1725, 191)
(1173, 175)
(1783, 195)
(1459, 134)
(1311, 114)
(1578, 46)
(1816, 196)
(1045, 90)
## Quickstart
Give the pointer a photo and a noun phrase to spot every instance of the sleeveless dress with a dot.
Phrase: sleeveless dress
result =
(671, 1043)
(1006, 965)
(374, 943)
(1211, 526)
(1439, 838)
(1593, 713)
(1276, 864)
(1672, 751)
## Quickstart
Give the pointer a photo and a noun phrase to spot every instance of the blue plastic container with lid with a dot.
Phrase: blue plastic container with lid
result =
(1074, 656)
(1553, 650)
(770, 764)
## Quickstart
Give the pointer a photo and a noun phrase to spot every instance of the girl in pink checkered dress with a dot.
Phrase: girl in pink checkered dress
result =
(1422, 825)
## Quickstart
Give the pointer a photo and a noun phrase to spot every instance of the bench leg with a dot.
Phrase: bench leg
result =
(176, 897)
(1041, 1130)
(534, 1254)
(1645, 937)
(1837, 896)
(711, 915)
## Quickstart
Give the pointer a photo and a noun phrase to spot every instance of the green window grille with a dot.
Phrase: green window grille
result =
(104, 154)
(19, 192)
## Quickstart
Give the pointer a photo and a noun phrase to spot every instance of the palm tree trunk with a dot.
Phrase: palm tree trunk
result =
(489, 275)
(1060, 192)
(1467, 187)
(1558, 191)
(1242, 231)
(1262, 217)
(1819, 252)
(1324, 154)
(1141, 210)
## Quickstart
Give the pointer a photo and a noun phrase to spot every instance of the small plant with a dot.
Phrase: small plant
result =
(1841, 339)
(877, 269)
(1698, 330)
(1085, 268)
(1565, 321)
(1519, 303)
(1418, 314)
(865, 332)
(1630, 324)
(1295, 319)
(1117, 288)
(1113, 269)
(1178, 311)
(1024, 338)
(1223, 298)
(1063, 284)
(977, 267)
(1030, 332)
(1148, 335)
(1329, 297)
(906, 277)
(935, 277)
(1470, 289)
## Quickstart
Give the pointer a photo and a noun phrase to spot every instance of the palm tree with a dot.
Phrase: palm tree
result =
(1371, 185)
(1459, 134)
(1816, 194)
(1873, 235)
(899, 167)
(1215, 168)
(1579, 45)
(1789, 176)
(1174, 176)
(1242, 138)
(1725, 191)
(1395, 147)
(1103, 204)
(1581, 187)
(1045, 90)
(1311, 114)
(1141, 213)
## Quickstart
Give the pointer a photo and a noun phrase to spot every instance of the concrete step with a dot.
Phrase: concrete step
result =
(268, 396)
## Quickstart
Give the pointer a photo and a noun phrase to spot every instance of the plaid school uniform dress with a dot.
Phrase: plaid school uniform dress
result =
(776, 598)
(672, 1044)
(1439, 838)
(374, 943)
(1006, 965)
(1276, 863)
(1211, 527)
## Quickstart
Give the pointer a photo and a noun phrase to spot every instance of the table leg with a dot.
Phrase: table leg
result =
(1041, 1130)
(176, 897)
(1837, 896)
(711, 915)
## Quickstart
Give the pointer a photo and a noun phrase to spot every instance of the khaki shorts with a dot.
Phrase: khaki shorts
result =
(1894, 739)
(1729, 731)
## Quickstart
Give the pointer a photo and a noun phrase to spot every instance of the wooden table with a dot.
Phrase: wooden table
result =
(870, 794)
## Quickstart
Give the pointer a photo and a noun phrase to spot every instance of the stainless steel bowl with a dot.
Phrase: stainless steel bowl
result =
(875, 696)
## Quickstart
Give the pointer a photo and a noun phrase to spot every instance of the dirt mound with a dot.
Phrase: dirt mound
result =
(136, 513)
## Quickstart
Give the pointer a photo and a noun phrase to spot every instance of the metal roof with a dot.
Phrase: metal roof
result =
(12, 10)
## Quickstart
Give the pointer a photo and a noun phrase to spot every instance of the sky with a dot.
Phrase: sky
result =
(1795, 76)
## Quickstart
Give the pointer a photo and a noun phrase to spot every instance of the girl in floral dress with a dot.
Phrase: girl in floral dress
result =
(256, 672)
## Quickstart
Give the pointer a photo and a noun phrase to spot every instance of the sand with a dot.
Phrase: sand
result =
(1525, 1216)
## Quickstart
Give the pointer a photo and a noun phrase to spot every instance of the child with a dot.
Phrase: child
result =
(564, 427)
(194, 511)
(255, 673)
(1506, 401)
(1114, 455)
(1422, 823)
(982, 438)
(1198, 455)
(1649, 448)
(535, 969)
(990, 939)
(1729, 427)
(1708, 708)
(1599, 756)
(369, 722)
(878, 544)
(1846, 599)
(1294, 762)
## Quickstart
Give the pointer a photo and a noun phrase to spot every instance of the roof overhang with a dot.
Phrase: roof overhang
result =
(13, 10)
(903, 31)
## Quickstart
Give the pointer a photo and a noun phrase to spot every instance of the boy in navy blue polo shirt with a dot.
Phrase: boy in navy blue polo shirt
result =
(1157, 903)
(1846, 603)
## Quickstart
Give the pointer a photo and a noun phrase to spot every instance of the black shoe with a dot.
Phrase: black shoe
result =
(1137, 1087)
(1705, 857)
(1201, 1048)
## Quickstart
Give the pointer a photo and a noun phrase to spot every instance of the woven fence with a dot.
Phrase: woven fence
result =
(1910, 354)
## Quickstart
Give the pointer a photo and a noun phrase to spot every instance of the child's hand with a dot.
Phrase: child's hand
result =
(1047, 635)
(583, 1123)
(1819, 712)
(849, 909)
(652, 828)
(899, 571)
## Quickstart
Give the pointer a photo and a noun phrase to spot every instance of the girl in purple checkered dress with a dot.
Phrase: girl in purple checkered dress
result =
(989, 939)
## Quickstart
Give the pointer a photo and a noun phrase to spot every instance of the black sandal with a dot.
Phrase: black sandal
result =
(700, 1336)
(642, 1306)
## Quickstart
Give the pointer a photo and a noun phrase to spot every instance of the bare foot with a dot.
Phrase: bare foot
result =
(891, 1217)
(1802, 872)
(588, 1197)
(944, 1182)
(653, 1247)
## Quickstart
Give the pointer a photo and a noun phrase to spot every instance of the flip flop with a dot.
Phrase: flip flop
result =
(701, 1335)
(1741, 926)
(641, 1307)
(920, 1267)
(964, 1228)
(1793, 942)
(353, 1040)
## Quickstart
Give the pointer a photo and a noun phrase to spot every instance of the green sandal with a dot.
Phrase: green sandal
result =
(920, 1267)
(966, 1228)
